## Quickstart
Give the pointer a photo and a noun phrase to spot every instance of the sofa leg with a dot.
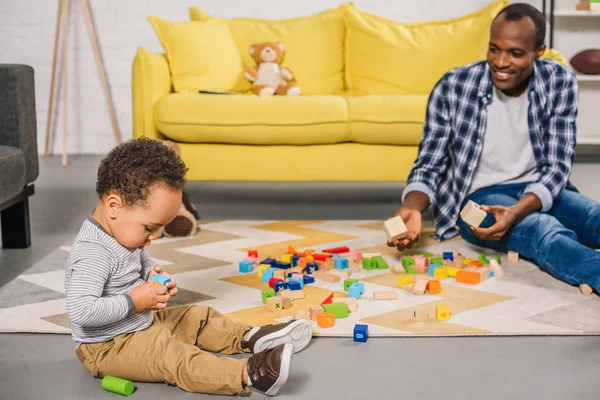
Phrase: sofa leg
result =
(16, 230)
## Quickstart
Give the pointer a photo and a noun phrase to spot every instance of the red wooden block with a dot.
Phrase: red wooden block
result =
(273, 280)
(253, 253)
(337, 250)
(328, 300)
(321, 257)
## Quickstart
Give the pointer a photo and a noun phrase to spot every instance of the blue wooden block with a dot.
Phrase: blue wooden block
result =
(360, 286)
(361, 333)
(448, 255)
(295, 260)
(356, 289)
(246, 266)
(279, 286)
(162, 279)
(311, 267)
(267, 274)
(281, 265)
(308, 279)
(341, 263)
(294, 285)
(269, 261)
(491, 274)
(432, 267)
(297, 279)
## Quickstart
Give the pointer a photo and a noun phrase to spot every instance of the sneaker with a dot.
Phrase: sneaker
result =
(297, 333)
(268, 370)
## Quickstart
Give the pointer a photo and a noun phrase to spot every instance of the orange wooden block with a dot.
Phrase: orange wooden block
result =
(302, 262)
(325, 320)
(434, 286)
(291, 250)
(467, 276)
(477, 264)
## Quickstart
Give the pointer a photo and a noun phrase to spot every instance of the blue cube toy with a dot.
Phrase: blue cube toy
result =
(432, 267)
(448, 255)
(361, 333)
(295, 260)
(279, 286)
(267, 274)
(308, 279)
(269, 261)
(311, 267)
(341, 263)
(294, 286)
(356, 289)
(162, 279)
(281, 265)
(246, 266)
(297, 280)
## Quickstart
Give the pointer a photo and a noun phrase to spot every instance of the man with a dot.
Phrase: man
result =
(502, 133)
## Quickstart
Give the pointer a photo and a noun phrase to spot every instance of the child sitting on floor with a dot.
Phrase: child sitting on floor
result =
(119, 320)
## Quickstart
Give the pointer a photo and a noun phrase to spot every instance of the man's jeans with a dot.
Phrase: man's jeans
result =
(562, 241)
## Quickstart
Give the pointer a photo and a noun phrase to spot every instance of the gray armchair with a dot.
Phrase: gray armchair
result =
(19, 166)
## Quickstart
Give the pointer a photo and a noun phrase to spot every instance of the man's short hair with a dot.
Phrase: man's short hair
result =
(517, 11)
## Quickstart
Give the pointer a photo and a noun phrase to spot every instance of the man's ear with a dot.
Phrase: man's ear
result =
(113, 204)
(540, 52)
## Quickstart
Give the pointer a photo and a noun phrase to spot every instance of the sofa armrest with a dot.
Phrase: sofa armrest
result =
(151, 81)
(18, 126)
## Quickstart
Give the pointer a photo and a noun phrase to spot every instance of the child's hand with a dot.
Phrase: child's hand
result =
(172, 286)
(149, 297)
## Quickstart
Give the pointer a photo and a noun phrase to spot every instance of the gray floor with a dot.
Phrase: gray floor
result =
(45, 366)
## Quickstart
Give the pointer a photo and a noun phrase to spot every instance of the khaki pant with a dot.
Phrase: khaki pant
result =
(169, 351)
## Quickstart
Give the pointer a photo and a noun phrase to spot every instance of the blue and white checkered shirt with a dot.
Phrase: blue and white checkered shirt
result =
(455, 126)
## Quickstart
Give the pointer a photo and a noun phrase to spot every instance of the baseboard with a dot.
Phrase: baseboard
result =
(587, 153)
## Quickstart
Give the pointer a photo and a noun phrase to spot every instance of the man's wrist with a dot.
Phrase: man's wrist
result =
(528, 204)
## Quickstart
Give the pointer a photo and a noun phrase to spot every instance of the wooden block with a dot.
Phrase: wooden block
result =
(420, 269)
(274, 303)
(420, 286)
(337, 250)
(420, 315)
(468, 276)
(300, 314)
(313, 311)
(280, 274)
(354, 267)
(484, 273)
(584, 5)
(496, 268)
(586, 289)
(325, 276)
(434, 286)
(513, 257)
(420, 260)
(385, 295)
(409, 288)
(397, 269)
(343, 273)
(352, 302)
(286, 303)
(325, 320)
(440, 273)
(472, 214)
(370, 255)
(287, 293)
(298, 294)
(442, 313)
(261, 269)
(452, 271)
(338, 309)
(476, 263)
(395, 228)
(295, 270)
(287, 257)
(404, 280)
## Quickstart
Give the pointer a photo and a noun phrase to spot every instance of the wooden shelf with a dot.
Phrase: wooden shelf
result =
(576, 13)
(588, 78)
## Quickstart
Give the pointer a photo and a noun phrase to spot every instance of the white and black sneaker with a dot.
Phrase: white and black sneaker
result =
(296, 332)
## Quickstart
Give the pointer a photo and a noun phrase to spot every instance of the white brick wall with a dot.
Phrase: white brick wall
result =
(28, 31)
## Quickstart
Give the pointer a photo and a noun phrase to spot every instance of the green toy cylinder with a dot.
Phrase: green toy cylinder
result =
(117, 385)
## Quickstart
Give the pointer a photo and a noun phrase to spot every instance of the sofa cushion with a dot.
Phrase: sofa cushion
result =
(387, 119)
(249, 119)
(201, 55)
(389, 57)
(12, 178)
(314, 46)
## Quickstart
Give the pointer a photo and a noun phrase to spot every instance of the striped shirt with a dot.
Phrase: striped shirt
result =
(99, 275)
(455, 124)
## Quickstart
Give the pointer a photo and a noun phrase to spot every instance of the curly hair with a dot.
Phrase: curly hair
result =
(133, 167)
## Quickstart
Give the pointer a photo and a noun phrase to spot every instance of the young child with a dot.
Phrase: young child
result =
(119, 320)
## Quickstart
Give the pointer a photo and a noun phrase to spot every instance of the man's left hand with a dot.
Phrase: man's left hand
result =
(505, 219)
(171, 286)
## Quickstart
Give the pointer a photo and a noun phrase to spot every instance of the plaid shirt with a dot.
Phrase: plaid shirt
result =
(455, 126)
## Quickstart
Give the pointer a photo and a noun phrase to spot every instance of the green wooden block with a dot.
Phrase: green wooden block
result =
(340, 310)
(407, 262)
(436, 260)
(498, 259)
(483, 258)
(266, 293)
(427, 255)
(369, 263)
(348, 282)
(409, 269)
(381, 263)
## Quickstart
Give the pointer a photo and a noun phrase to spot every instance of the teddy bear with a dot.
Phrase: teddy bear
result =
(186, 221)
(269, 77)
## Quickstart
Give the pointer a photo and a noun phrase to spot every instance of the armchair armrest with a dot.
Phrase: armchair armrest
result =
(18, 126)
(151, 81)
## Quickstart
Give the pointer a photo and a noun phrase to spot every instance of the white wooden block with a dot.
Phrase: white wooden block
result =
(351, 301)
(420, 286)
(472, 214)
(586, 289)
(395, 228)
(513, 257)
(385, 295)
(496, 268)
(370, 255)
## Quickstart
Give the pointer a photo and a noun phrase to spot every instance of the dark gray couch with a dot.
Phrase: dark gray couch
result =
(18, 153)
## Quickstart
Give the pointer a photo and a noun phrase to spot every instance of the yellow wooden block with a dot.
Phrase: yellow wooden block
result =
(287, 257)
(452, 271)
(261, 268)
(466, 261)
(404, 280)
(442, 313)
(440, 273)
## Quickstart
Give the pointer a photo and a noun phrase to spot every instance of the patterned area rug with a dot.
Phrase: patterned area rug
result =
(526, 301)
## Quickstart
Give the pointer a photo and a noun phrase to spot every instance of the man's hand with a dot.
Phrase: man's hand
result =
(506, 218)
(413, 220)
(149, 297)
(171, 286)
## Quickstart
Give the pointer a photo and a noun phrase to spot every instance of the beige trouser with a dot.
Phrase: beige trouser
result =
(169, 351)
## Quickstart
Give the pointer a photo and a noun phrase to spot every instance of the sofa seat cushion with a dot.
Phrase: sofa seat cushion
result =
(395, 119)
(12, 178)
(249, 119)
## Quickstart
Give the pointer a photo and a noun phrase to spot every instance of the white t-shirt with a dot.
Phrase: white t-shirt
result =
(507, 155)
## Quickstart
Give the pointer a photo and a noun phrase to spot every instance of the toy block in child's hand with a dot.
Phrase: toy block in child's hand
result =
(161, 279)
(496, 268)
(442, 313)
(361, 333)
(385, 295)
(472, 214)
(274, 303)
(352, 302)
(325, 320)
(395, 228)
(313, 311)
(513, 257)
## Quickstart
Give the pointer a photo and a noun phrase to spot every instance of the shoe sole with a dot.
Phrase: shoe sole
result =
(298, 334)
(284, 369)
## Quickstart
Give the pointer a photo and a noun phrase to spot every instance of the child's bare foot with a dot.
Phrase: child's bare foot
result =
(297, 333)
(586, 289)
(268, 370)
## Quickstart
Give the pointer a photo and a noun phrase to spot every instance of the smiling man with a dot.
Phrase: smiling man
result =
(502, 133)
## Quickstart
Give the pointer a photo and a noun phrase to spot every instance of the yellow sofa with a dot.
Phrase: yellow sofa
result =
(365, 83)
